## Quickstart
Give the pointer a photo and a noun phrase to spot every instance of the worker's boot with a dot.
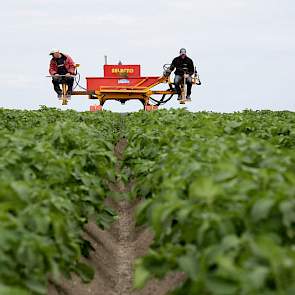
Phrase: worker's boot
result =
(189, 90)
(179, 97)
(57, 90)
(69, 92)
(59, 94)
(70, 82)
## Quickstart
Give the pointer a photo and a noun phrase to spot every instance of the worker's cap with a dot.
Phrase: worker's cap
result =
(182, 51)
(54, 51)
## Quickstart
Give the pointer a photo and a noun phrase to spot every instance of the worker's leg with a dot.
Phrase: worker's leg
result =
(56, 81)
(177, 80)
(70, 83)
(189, 85)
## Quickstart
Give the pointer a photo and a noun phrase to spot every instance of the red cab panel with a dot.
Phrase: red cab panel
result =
(117, 71)
(117, 77)
(96, 83)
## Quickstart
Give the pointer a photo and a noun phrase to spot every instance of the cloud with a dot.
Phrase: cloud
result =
(17, 81)
(231, 40)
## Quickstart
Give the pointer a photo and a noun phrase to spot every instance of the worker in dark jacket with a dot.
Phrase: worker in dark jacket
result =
(184, 69)
(62, 69)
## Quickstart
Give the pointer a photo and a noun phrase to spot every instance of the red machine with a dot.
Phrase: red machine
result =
(124, 82)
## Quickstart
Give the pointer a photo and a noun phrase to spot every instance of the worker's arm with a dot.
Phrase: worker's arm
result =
(191, 68)
(173, 65)
(170, 69)
(70, 65)
(52, 68)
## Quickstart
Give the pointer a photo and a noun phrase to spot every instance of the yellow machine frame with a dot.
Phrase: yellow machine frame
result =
(131, 93)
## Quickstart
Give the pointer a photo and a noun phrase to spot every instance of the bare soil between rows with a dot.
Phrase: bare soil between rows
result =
(115, 252)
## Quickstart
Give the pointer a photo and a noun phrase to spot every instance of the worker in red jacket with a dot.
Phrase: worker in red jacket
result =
(62, 69)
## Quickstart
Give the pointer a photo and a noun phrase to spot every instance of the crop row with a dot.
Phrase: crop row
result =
(55, 167)
(219, 192)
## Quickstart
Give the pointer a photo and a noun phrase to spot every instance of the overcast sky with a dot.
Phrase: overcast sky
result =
(244, 49)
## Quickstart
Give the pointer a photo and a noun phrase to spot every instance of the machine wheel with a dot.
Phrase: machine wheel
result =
(143, 102)
(150, 108)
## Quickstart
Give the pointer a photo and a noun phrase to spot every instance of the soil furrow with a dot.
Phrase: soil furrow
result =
(115, 251)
